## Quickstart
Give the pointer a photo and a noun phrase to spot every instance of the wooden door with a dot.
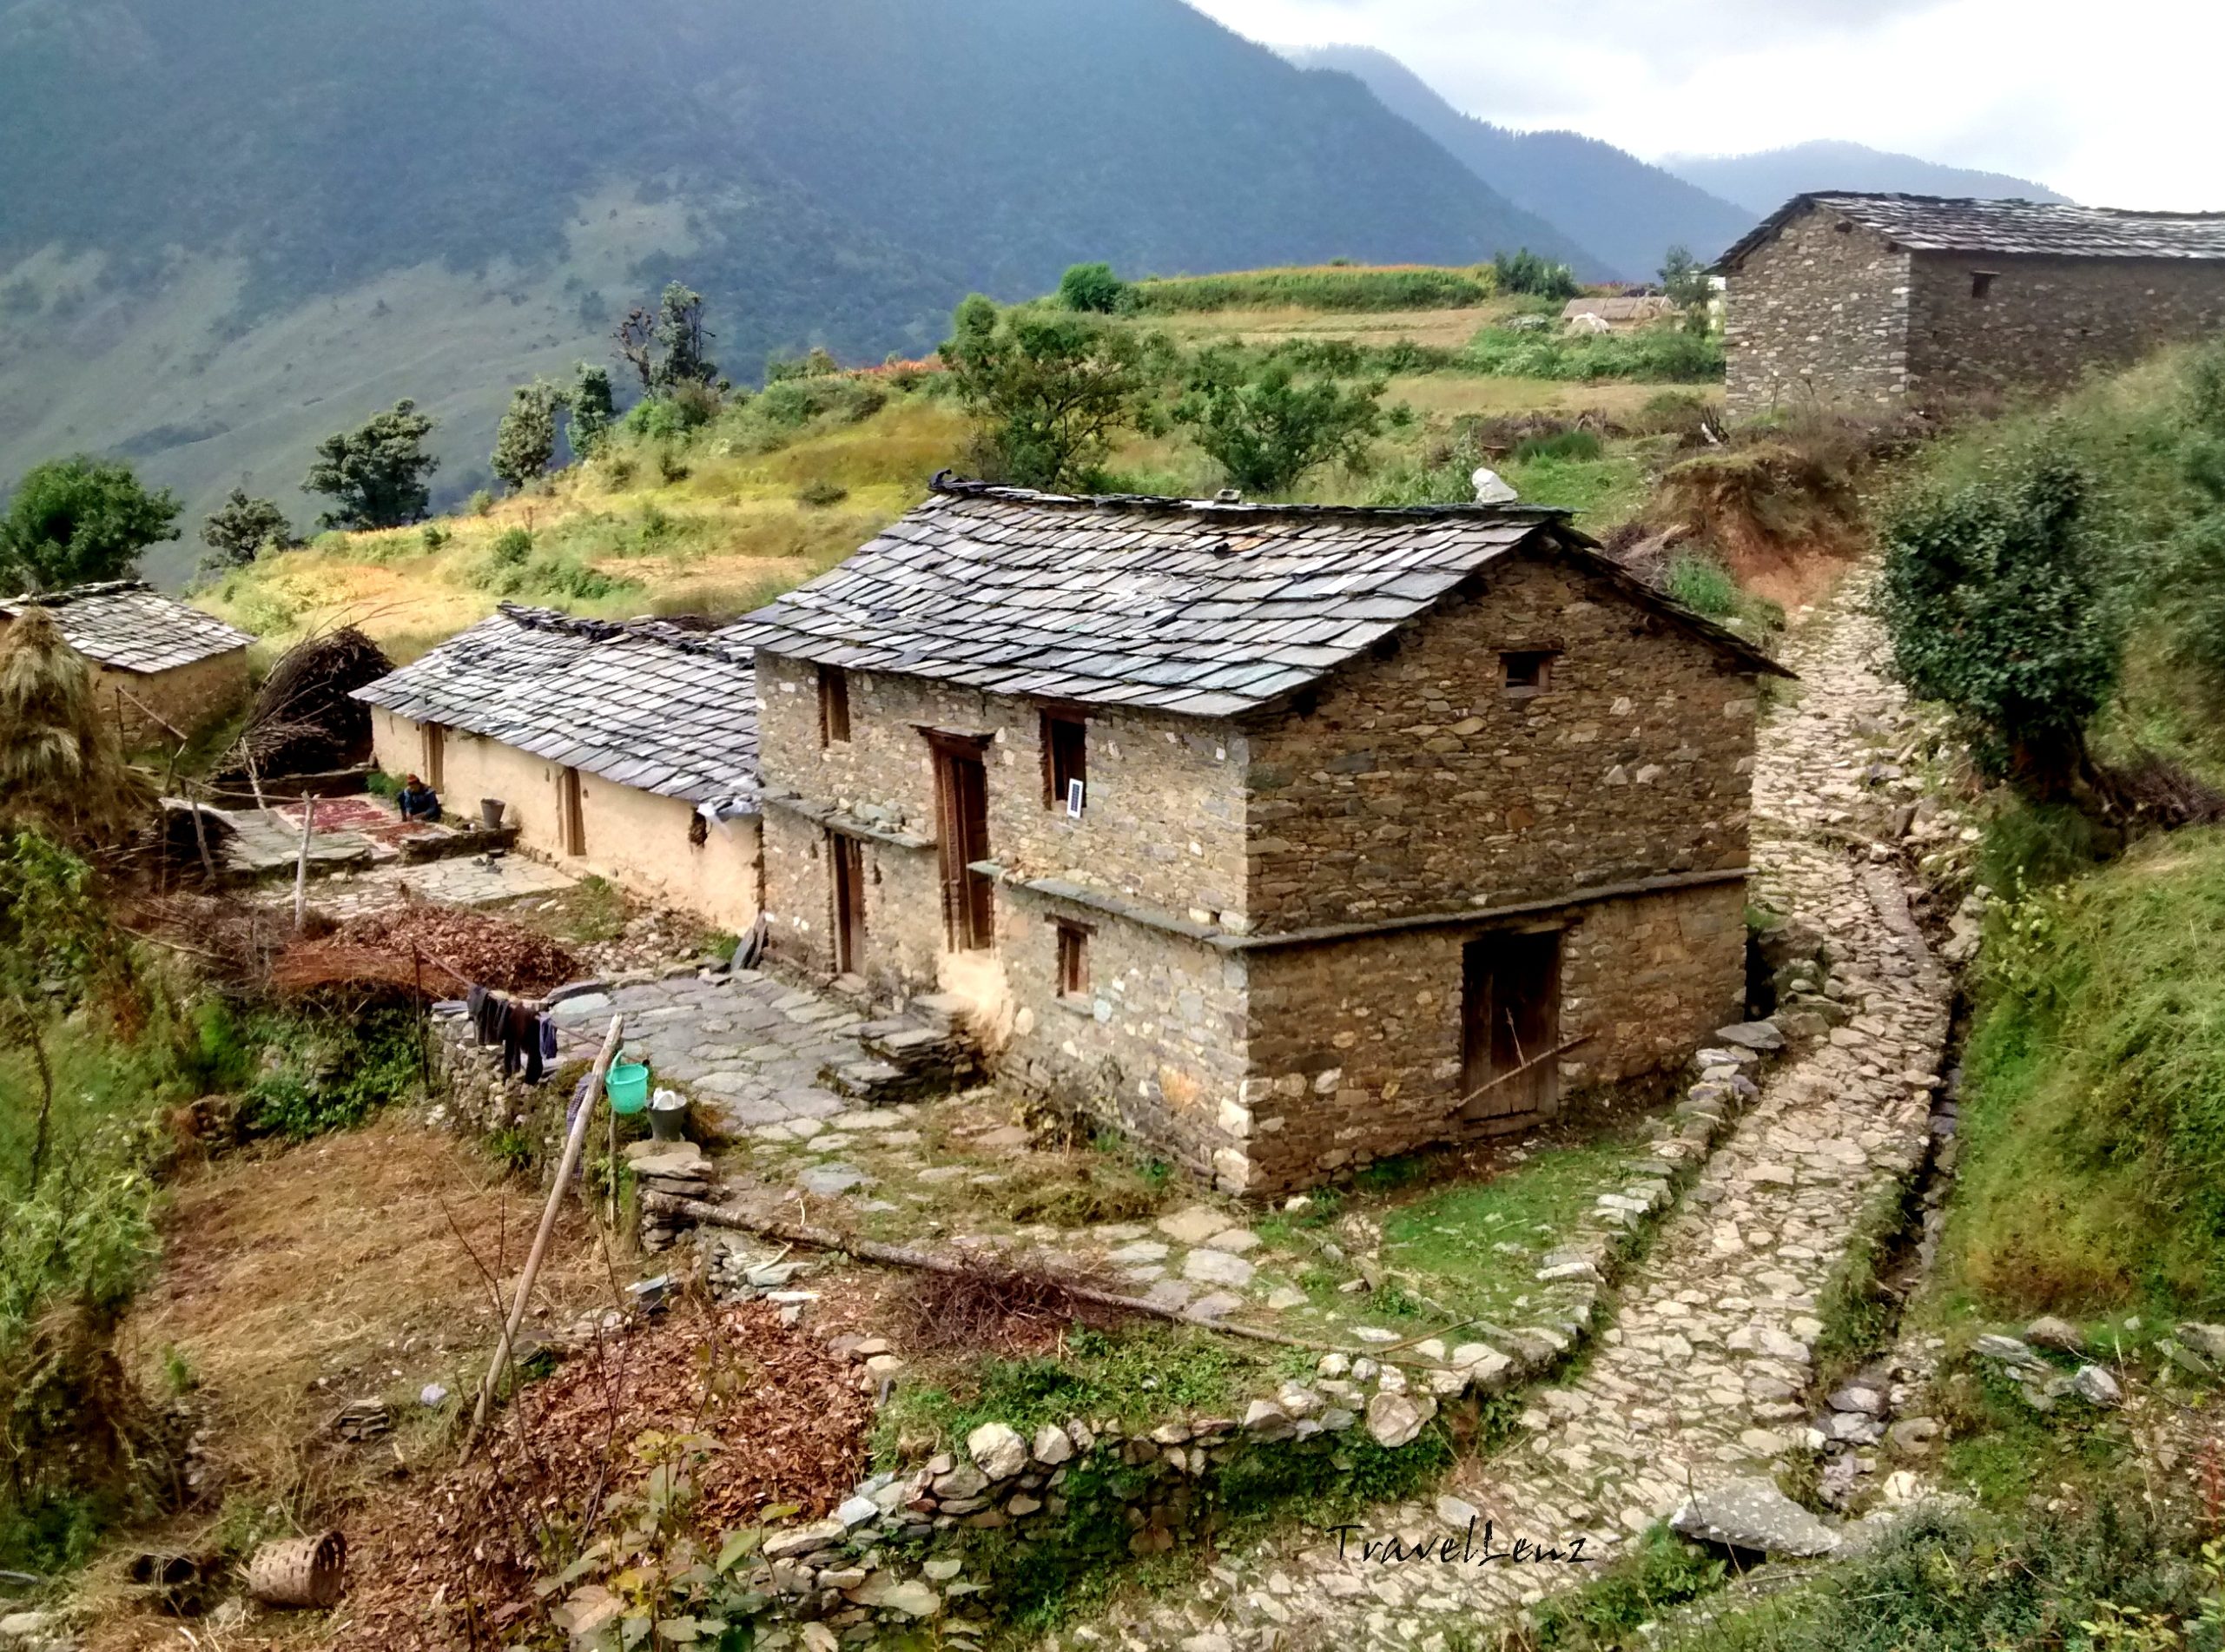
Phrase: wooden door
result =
(846, 856)
(963, 819)
(1510, 1025)
(571, 813)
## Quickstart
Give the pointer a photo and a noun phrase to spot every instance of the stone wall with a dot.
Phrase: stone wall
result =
(1419, 782)
(1156, 1046)
(637, 839)
(2043, 322)
(1356, 1046)
(1820, 314)
(188, 697)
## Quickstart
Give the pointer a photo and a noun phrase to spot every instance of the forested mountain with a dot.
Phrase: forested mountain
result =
(1764, 182)
(230, 226)
(1627, 212)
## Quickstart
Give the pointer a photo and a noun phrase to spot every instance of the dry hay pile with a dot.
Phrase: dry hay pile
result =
(1009, 1310)
(61, 767)
(785, 1425)
(303, 722)
(440, 951)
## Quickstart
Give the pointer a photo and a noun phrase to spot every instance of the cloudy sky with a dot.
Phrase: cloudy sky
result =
(2111, 105)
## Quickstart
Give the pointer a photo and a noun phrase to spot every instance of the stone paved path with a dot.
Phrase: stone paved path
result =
(743, 1043)
(1696, 1379)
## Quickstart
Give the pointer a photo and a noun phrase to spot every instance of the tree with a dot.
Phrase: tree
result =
(2001, 604)
(1524, 272)
(55, 938)
(238, 530)
(670, 347)
(1091, 288)
(1685, 279)
(1050, 389)
(80, 519)
(593, 410)
(526, 440)
(377, 474)
(1264, 428)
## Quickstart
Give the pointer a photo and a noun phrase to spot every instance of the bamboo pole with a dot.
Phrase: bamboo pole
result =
(301, 863)
(573, 1142)
(897, 1256)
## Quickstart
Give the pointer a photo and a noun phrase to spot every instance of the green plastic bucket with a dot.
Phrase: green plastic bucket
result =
(628, 1087)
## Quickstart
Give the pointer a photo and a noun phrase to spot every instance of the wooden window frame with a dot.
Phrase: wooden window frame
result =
(1981, 284)
(1065, 737)
(1074, 958)
(834, 706)
(1524, 672)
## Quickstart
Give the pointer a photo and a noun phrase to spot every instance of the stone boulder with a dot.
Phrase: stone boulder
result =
(1753, 1515)
(997, 1450)
(1395, 1419)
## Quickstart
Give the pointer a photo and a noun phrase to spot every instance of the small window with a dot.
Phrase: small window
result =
(1073, 960)
(1528, 670)
(1066, 762)
(834, 705)
(1981, 284)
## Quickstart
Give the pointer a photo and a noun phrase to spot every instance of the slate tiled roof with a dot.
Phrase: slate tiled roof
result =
(128, 626)
(640, 703)
(1193, 606)
(1940, 223)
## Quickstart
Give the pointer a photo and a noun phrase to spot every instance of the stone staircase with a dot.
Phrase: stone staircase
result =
(924, 1051)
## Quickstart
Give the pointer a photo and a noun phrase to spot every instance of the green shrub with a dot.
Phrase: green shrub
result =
(1703, 584)
(1562, 443)
(511, 548)
(1093, 288)
(435, 536)
(333, 1076)
(1658, 354)
(1524, 272)
(481, 502)
(794, 403)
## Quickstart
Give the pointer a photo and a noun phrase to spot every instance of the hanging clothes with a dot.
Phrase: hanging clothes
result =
(488, 1019)
(521, 1042)
(548, 1038)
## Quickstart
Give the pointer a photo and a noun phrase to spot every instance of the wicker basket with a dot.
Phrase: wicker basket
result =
(301, 1571)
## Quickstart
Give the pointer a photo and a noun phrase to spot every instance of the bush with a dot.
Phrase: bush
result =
(1524, 272)
(333, 1075)
(511, 548)
(481, 502)
(821, 492)
(1663, 356)
(1337, 290)
(793, 403)
(1265, 430)
(1704, 586)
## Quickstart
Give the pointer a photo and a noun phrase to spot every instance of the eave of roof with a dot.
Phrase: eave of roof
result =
(2003, 228)
(128, 626)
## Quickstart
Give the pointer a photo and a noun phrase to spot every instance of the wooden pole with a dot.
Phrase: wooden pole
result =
(253, 781)
(897, 1256)
(301, 864)
(200, 839)
(573, 1142)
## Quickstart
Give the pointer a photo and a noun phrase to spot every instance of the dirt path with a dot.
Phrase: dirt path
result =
(1696, 1381)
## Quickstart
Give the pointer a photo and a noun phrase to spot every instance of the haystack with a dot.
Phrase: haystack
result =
(303, 722)
(63, 771)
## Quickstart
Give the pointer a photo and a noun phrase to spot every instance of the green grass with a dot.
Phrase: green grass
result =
(2093, 1117)
(1341, 291)
(1474, 1247)
(1627, 1596)
(1658, 356)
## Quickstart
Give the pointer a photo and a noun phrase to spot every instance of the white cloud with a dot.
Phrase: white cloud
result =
(2111, 107)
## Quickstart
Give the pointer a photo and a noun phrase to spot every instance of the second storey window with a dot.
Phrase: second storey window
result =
(834, 705)
(1066, 762)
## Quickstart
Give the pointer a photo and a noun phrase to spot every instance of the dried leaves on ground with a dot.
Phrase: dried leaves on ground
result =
(785, 1423)
(443, 949)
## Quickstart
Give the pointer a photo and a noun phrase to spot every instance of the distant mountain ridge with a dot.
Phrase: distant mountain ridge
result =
(1627, 212)
(314, 207)
(1765, 180)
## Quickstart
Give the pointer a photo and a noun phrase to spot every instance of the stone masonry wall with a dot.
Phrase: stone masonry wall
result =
(1356, 1047)
(1157, 1044)
(1818, 315)
(1420, 784)
(2043, 322)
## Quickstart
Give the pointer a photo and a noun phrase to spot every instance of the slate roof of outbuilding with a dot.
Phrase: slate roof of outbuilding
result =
(640, 703)
(1201, 607)
(129, 626)
(1943, 223)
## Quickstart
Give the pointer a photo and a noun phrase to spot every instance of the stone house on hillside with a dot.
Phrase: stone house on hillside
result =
(161, 668)
(625, 749)
(1873, 300)
(1288, 837)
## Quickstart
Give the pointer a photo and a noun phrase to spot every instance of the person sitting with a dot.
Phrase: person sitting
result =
(420, 800)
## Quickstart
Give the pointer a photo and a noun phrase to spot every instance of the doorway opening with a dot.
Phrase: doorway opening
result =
(1510, 1025)
(846, 856)
(962, 803)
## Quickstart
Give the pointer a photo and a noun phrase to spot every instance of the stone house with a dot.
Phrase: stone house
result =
(1877, 300)
(162, 667)
(623, 749)
(1285, 836)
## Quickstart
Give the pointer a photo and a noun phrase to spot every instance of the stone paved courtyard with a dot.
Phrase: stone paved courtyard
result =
(748, 1048)
(1698, 1378)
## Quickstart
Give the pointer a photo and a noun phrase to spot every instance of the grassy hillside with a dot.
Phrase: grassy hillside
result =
(316, 207)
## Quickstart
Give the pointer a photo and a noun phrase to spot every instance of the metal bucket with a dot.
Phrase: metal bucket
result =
(490, 813)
